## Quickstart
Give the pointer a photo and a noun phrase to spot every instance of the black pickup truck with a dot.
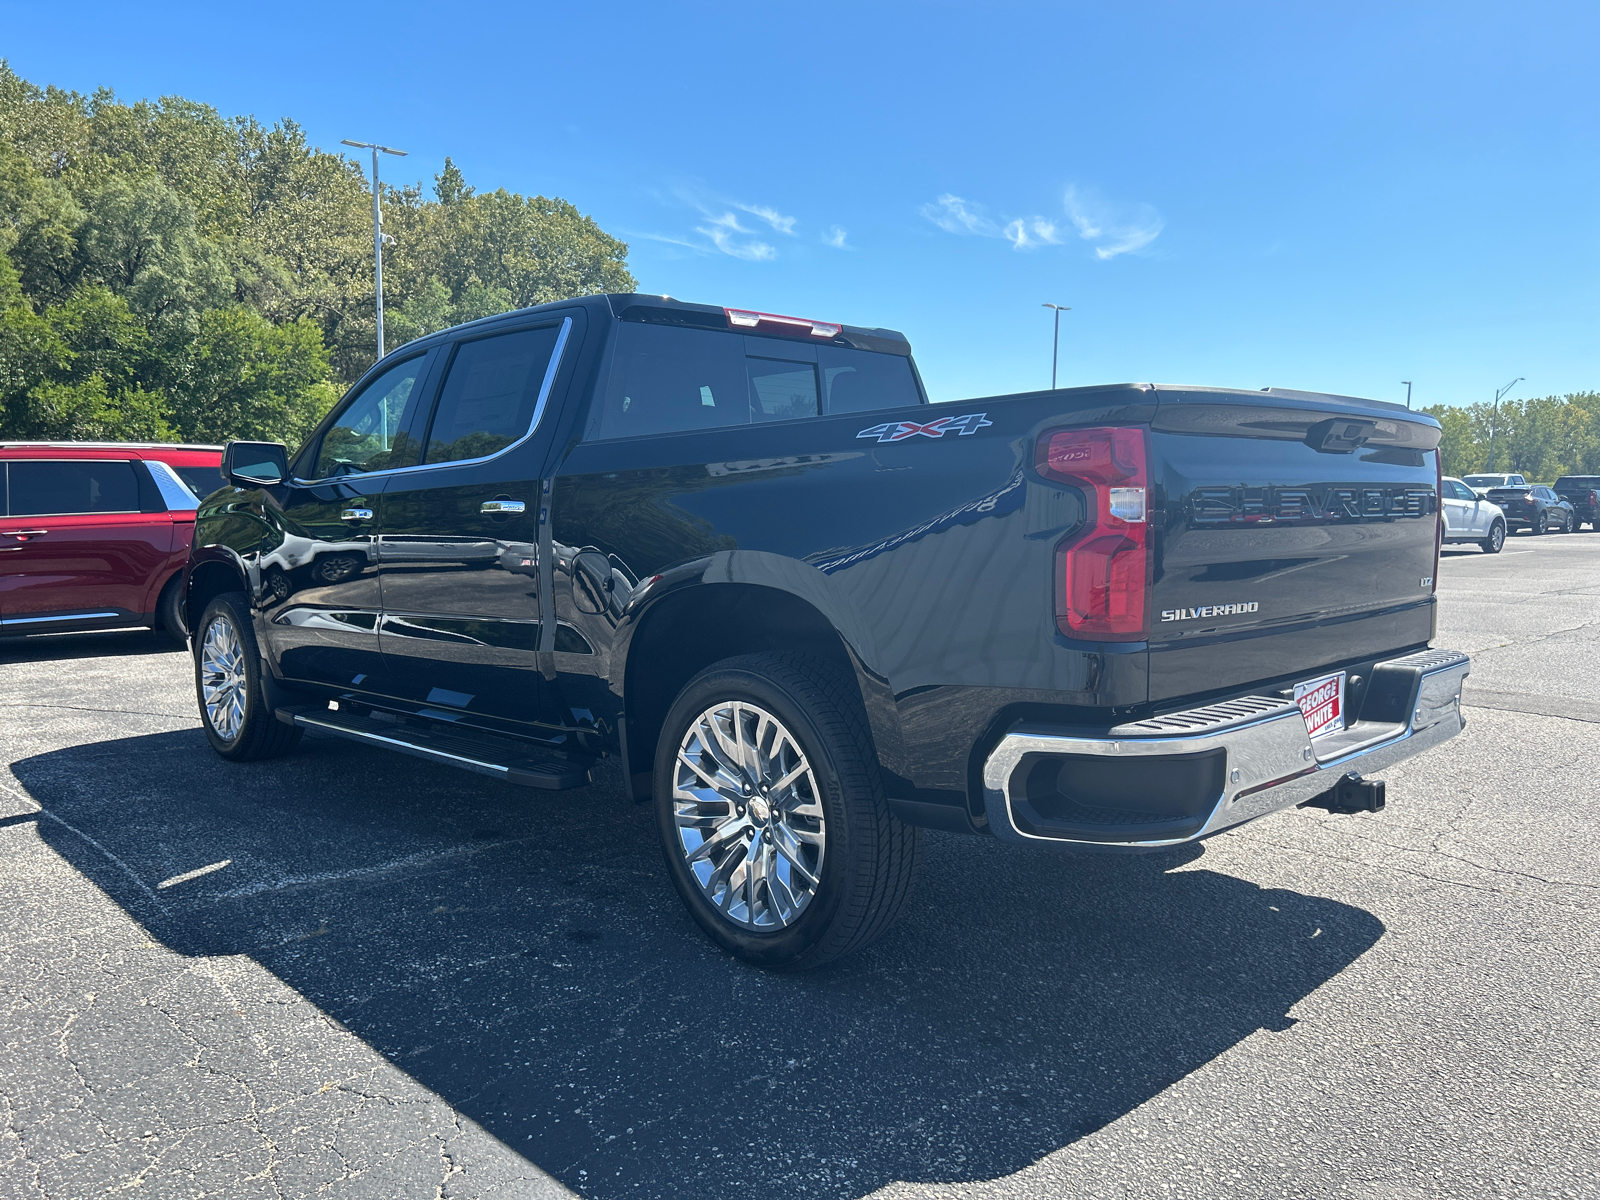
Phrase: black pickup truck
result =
(1583, 493)
(811, 612)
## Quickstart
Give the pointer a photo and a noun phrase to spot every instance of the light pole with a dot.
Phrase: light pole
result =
(1055, 346)
(1407, 382)
(377, 228)
(1494, 422)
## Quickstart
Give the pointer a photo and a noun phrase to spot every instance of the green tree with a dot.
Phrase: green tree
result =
(1458, 449)
(165, 268)
(246, 377)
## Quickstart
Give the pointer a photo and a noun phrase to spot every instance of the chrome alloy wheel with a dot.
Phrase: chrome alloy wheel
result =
(749, 816)
(222, 678)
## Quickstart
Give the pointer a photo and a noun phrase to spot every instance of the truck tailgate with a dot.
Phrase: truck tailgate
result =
(1297, 531)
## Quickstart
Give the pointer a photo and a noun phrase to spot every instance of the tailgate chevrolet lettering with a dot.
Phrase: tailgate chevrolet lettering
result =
(1316, 502)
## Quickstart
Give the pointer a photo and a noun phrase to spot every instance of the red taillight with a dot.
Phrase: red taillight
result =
(1594, 499)
(1103, 572)
(744, 318)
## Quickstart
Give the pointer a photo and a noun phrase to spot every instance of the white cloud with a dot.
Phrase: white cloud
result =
(1113, 228)
(955, 215)
(668, 239)
(771, 216)
(725, 226)
(732, 238)
(1027, 232)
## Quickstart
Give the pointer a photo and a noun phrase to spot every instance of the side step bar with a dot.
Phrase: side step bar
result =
(500, 758)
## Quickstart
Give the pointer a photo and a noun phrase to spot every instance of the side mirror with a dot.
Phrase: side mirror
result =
(255, 464)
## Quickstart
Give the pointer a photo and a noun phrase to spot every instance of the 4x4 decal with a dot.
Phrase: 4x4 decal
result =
(896, 431)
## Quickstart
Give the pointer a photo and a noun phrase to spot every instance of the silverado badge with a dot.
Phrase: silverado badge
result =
(1209, 610)
(896, 431)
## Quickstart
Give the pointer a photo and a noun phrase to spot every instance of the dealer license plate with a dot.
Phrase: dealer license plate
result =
(1321, 702)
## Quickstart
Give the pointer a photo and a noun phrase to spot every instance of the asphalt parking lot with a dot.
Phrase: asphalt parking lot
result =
(355, 974)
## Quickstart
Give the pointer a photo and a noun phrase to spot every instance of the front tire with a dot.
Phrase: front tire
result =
(771, 813)
(1496, 540)
(227, 680)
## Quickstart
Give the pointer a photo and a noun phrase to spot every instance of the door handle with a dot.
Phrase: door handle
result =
(23, 535)
(356, 514)
(503, 506)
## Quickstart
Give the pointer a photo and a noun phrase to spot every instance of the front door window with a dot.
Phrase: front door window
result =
(370, 435)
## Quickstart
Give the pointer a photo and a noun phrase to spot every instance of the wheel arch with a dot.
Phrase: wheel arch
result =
(208, 579)
(691, 627)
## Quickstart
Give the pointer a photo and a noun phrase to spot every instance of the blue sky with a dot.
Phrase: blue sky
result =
(1334, 197)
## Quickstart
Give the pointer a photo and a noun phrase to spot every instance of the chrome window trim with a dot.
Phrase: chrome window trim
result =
(550, 373)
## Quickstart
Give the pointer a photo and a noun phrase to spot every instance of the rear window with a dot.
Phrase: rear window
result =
(202, 481)
(861, 381)
(47, 489)
(1578, 481)
(667, 379)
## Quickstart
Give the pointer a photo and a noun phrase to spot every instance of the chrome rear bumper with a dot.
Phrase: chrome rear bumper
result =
(1270, 762)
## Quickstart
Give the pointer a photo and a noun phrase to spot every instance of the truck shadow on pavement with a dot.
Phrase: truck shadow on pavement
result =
(523, 956)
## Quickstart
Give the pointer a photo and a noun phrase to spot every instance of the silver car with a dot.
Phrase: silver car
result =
(1468, 517)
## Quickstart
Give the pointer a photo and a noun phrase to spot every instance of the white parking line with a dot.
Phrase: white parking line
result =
(194, 874)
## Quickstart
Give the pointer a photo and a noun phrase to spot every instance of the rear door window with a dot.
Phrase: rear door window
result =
(47, 489)
(202, 481)
(490, 394)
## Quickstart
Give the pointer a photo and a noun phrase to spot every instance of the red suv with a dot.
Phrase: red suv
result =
(94, 535)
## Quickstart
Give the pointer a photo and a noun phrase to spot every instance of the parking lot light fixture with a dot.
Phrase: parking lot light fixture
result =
(377, 227)
(1055, 346)
(1494, 420)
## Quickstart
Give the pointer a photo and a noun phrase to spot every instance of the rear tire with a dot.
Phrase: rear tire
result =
(227, 679)
(1496, 539)
(1540, 524)
(169, 611)
(795, 875)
